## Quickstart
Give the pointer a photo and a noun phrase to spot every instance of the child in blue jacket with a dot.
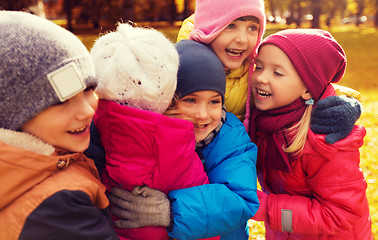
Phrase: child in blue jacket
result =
(223, 206)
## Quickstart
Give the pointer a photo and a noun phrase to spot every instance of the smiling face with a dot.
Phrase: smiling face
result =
(275, 82)
(203, 109)
(65, 125)
(236, 42)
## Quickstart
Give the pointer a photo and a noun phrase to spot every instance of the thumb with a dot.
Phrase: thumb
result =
(144, 191)
(334, 137)
(138, 190)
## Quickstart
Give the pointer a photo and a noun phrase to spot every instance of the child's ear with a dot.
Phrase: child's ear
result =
(306, 95)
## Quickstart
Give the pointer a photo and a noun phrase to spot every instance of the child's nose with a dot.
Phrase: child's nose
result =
(202, 112)
(261, 77)
(242, 36)
(87, 106)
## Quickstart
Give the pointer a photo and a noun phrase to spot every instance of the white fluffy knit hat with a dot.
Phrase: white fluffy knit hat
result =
(136, 67)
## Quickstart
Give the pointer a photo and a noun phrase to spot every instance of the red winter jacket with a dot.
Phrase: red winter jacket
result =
(147, 148)
(322, 196)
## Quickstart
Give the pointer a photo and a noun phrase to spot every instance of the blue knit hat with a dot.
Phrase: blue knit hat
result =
(41, 64)
(200, 69)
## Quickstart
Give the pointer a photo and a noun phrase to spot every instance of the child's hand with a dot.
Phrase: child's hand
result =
(335, 116)
(261, 214)
(141, 207)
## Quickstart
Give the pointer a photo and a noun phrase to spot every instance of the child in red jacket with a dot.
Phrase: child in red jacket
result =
(137, 72)
(311, 189)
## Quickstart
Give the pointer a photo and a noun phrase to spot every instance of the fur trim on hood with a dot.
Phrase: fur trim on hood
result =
(25, 141)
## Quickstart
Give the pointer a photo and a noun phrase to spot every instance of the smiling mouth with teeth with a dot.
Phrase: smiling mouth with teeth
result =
(79, 130)
(200, 126)
(263, 93)
(234, 53)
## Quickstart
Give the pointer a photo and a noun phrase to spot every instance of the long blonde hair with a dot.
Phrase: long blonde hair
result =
(298, 133)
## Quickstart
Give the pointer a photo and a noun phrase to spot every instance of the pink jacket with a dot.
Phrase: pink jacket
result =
(147, 148)
(322, 196)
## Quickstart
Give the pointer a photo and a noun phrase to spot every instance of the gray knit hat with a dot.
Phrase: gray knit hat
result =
(41, 64)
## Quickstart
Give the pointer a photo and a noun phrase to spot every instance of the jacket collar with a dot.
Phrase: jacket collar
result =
(239, 72)
(25, 141)
(25, 161)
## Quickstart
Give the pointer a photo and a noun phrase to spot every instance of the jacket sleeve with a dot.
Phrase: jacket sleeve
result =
(95, 150)
(338, 199)
(186, 27)
(230, 199)
(68, 215)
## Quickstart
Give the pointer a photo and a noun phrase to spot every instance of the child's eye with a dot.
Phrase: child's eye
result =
(258, 68)
(231, 26)
(253, 28)
(189, 100)
(278, 73)
(215, 102)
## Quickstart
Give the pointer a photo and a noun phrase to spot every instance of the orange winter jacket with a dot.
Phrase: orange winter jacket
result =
(49, 197)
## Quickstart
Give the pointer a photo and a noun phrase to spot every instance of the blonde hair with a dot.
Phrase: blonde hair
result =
(298, 133)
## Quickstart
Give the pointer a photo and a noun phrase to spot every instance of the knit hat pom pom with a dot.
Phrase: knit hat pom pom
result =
(136, 67)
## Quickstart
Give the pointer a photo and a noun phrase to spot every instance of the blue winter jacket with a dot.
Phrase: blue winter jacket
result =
(223, 206)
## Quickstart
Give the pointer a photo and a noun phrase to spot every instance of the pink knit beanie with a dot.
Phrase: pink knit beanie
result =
(213, 16)
(315, 54)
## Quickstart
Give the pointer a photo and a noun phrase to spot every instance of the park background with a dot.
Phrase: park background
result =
(354, 24)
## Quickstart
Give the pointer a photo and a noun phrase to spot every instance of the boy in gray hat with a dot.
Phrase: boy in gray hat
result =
(50, 189)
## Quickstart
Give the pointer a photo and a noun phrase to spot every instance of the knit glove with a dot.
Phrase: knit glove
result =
(335, 116)
(261, 214)
(141, 207)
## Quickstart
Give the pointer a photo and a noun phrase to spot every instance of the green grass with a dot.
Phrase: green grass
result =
(360, 45)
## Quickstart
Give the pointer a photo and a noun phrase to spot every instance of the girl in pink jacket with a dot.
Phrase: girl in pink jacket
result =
(137, 72)
(311, 189)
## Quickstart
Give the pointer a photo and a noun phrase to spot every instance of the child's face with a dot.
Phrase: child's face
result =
(203, 109)
(236, 42)
(275, 82)
(65, 125)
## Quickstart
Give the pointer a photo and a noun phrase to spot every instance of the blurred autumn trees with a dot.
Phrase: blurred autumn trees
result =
(298, 11)
(316, 12)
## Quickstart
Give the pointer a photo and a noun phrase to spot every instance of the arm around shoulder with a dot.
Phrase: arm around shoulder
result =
(224, 205)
